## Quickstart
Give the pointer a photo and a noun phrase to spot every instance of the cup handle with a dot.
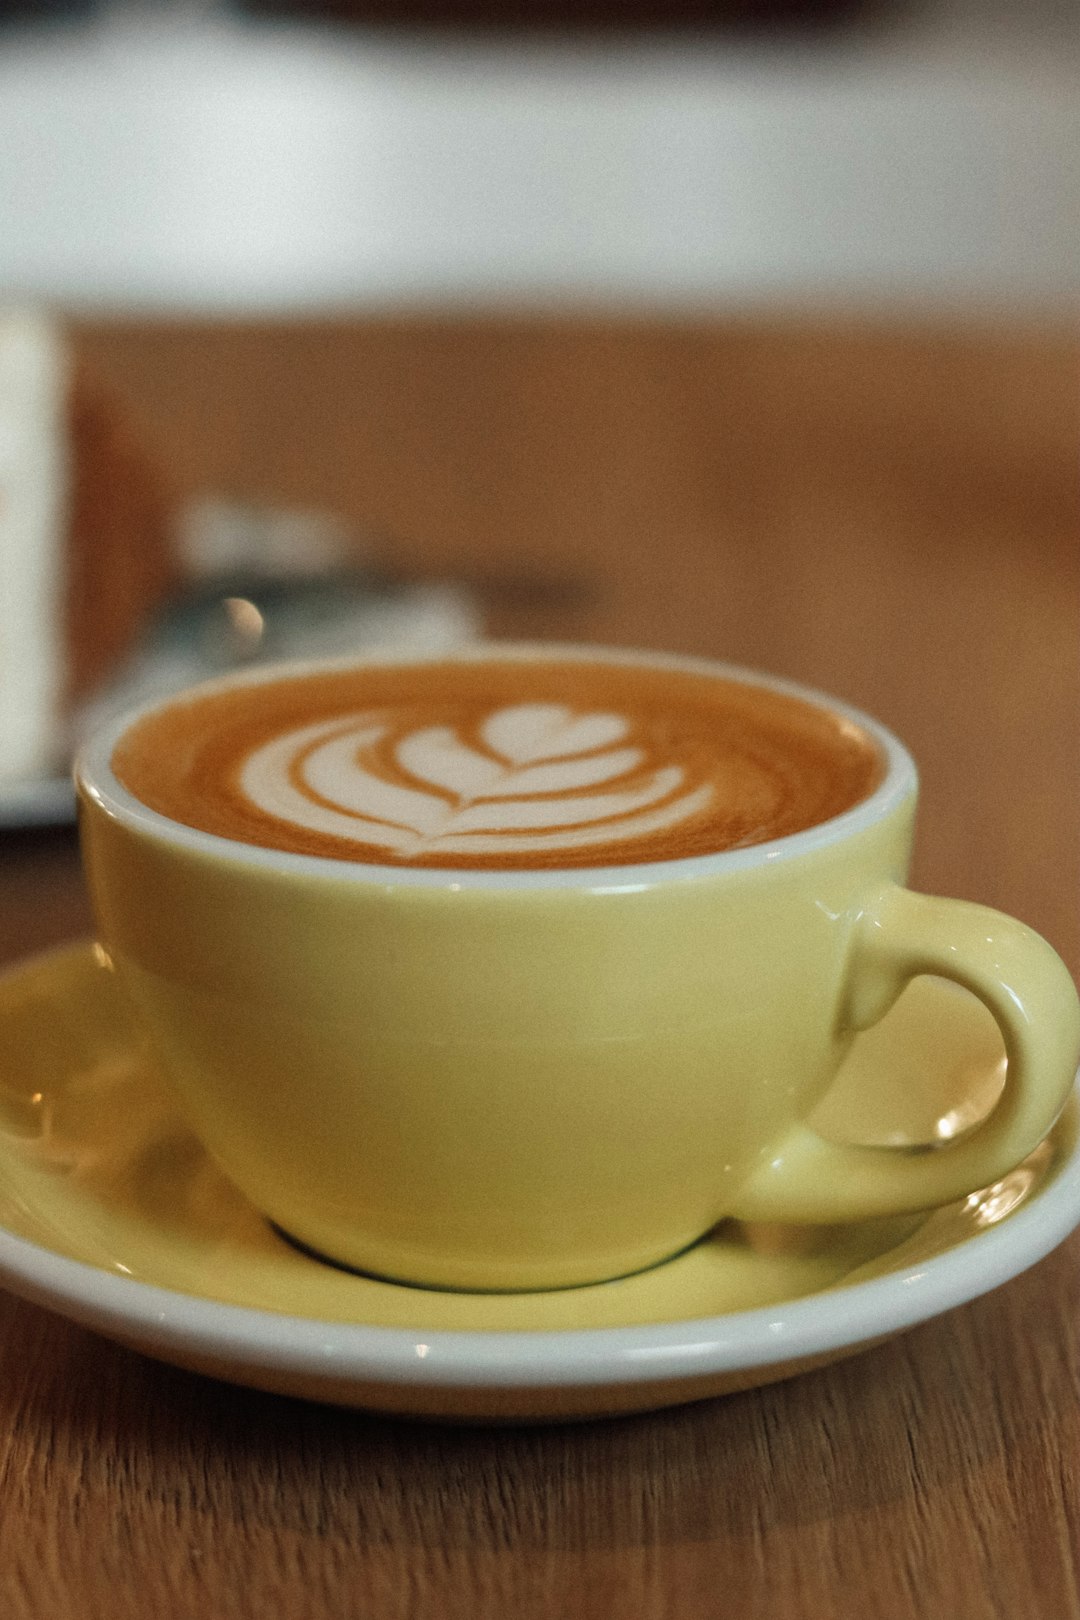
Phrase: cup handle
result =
(1031, 995)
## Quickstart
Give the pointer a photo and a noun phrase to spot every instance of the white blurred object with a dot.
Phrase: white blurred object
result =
(34, 479)
(179, 163)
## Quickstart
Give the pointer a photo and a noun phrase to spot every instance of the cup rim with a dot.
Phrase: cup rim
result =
(96, 782)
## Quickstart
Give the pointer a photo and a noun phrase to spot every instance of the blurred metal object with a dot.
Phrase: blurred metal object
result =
(263, 585)
(229, 623)
(210, 629)
(216, 537)
(44, 11)
(614, 14)
(47, 801)
(267, 584)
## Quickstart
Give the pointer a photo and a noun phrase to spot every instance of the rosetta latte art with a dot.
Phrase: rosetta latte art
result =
(522, 762)
(542, 778)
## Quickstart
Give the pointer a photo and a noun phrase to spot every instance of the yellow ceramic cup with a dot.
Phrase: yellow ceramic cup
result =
(485, 1080)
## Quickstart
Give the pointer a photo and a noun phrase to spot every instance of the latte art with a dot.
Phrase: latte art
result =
(502, 759)
(542, 778)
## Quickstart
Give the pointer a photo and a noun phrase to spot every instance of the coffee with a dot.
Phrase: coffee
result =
(501, 760)
(515, 1079)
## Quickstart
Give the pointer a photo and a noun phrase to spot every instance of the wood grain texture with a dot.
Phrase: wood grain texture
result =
(890, 515)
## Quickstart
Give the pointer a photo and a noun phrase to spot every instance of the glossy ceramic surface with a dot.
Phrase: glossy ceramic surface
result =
(112, 1213)
(613, 1058)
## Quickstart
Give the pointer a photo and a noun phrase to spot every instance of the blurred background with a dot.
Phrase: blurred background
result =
(743, 328)
(295, 157)
(739, 327)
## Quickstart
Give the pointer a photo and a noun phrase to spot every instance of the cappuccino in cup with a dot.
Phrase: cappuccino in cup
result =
(523, 967)
(499, 765)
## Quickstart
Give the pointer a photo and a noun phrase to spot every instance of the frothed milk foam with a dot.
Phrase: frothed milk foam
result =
(507, 761)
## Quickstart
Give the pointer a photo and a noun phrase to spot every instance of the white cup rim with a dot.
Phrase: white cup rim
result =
(96, 781)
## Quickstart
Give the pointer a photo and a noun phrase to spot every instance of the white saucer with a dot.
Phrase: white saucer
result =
(112, 1214)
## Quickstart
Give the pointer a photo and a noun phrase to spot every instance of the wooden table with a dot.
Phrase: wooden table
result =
(890, 515)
